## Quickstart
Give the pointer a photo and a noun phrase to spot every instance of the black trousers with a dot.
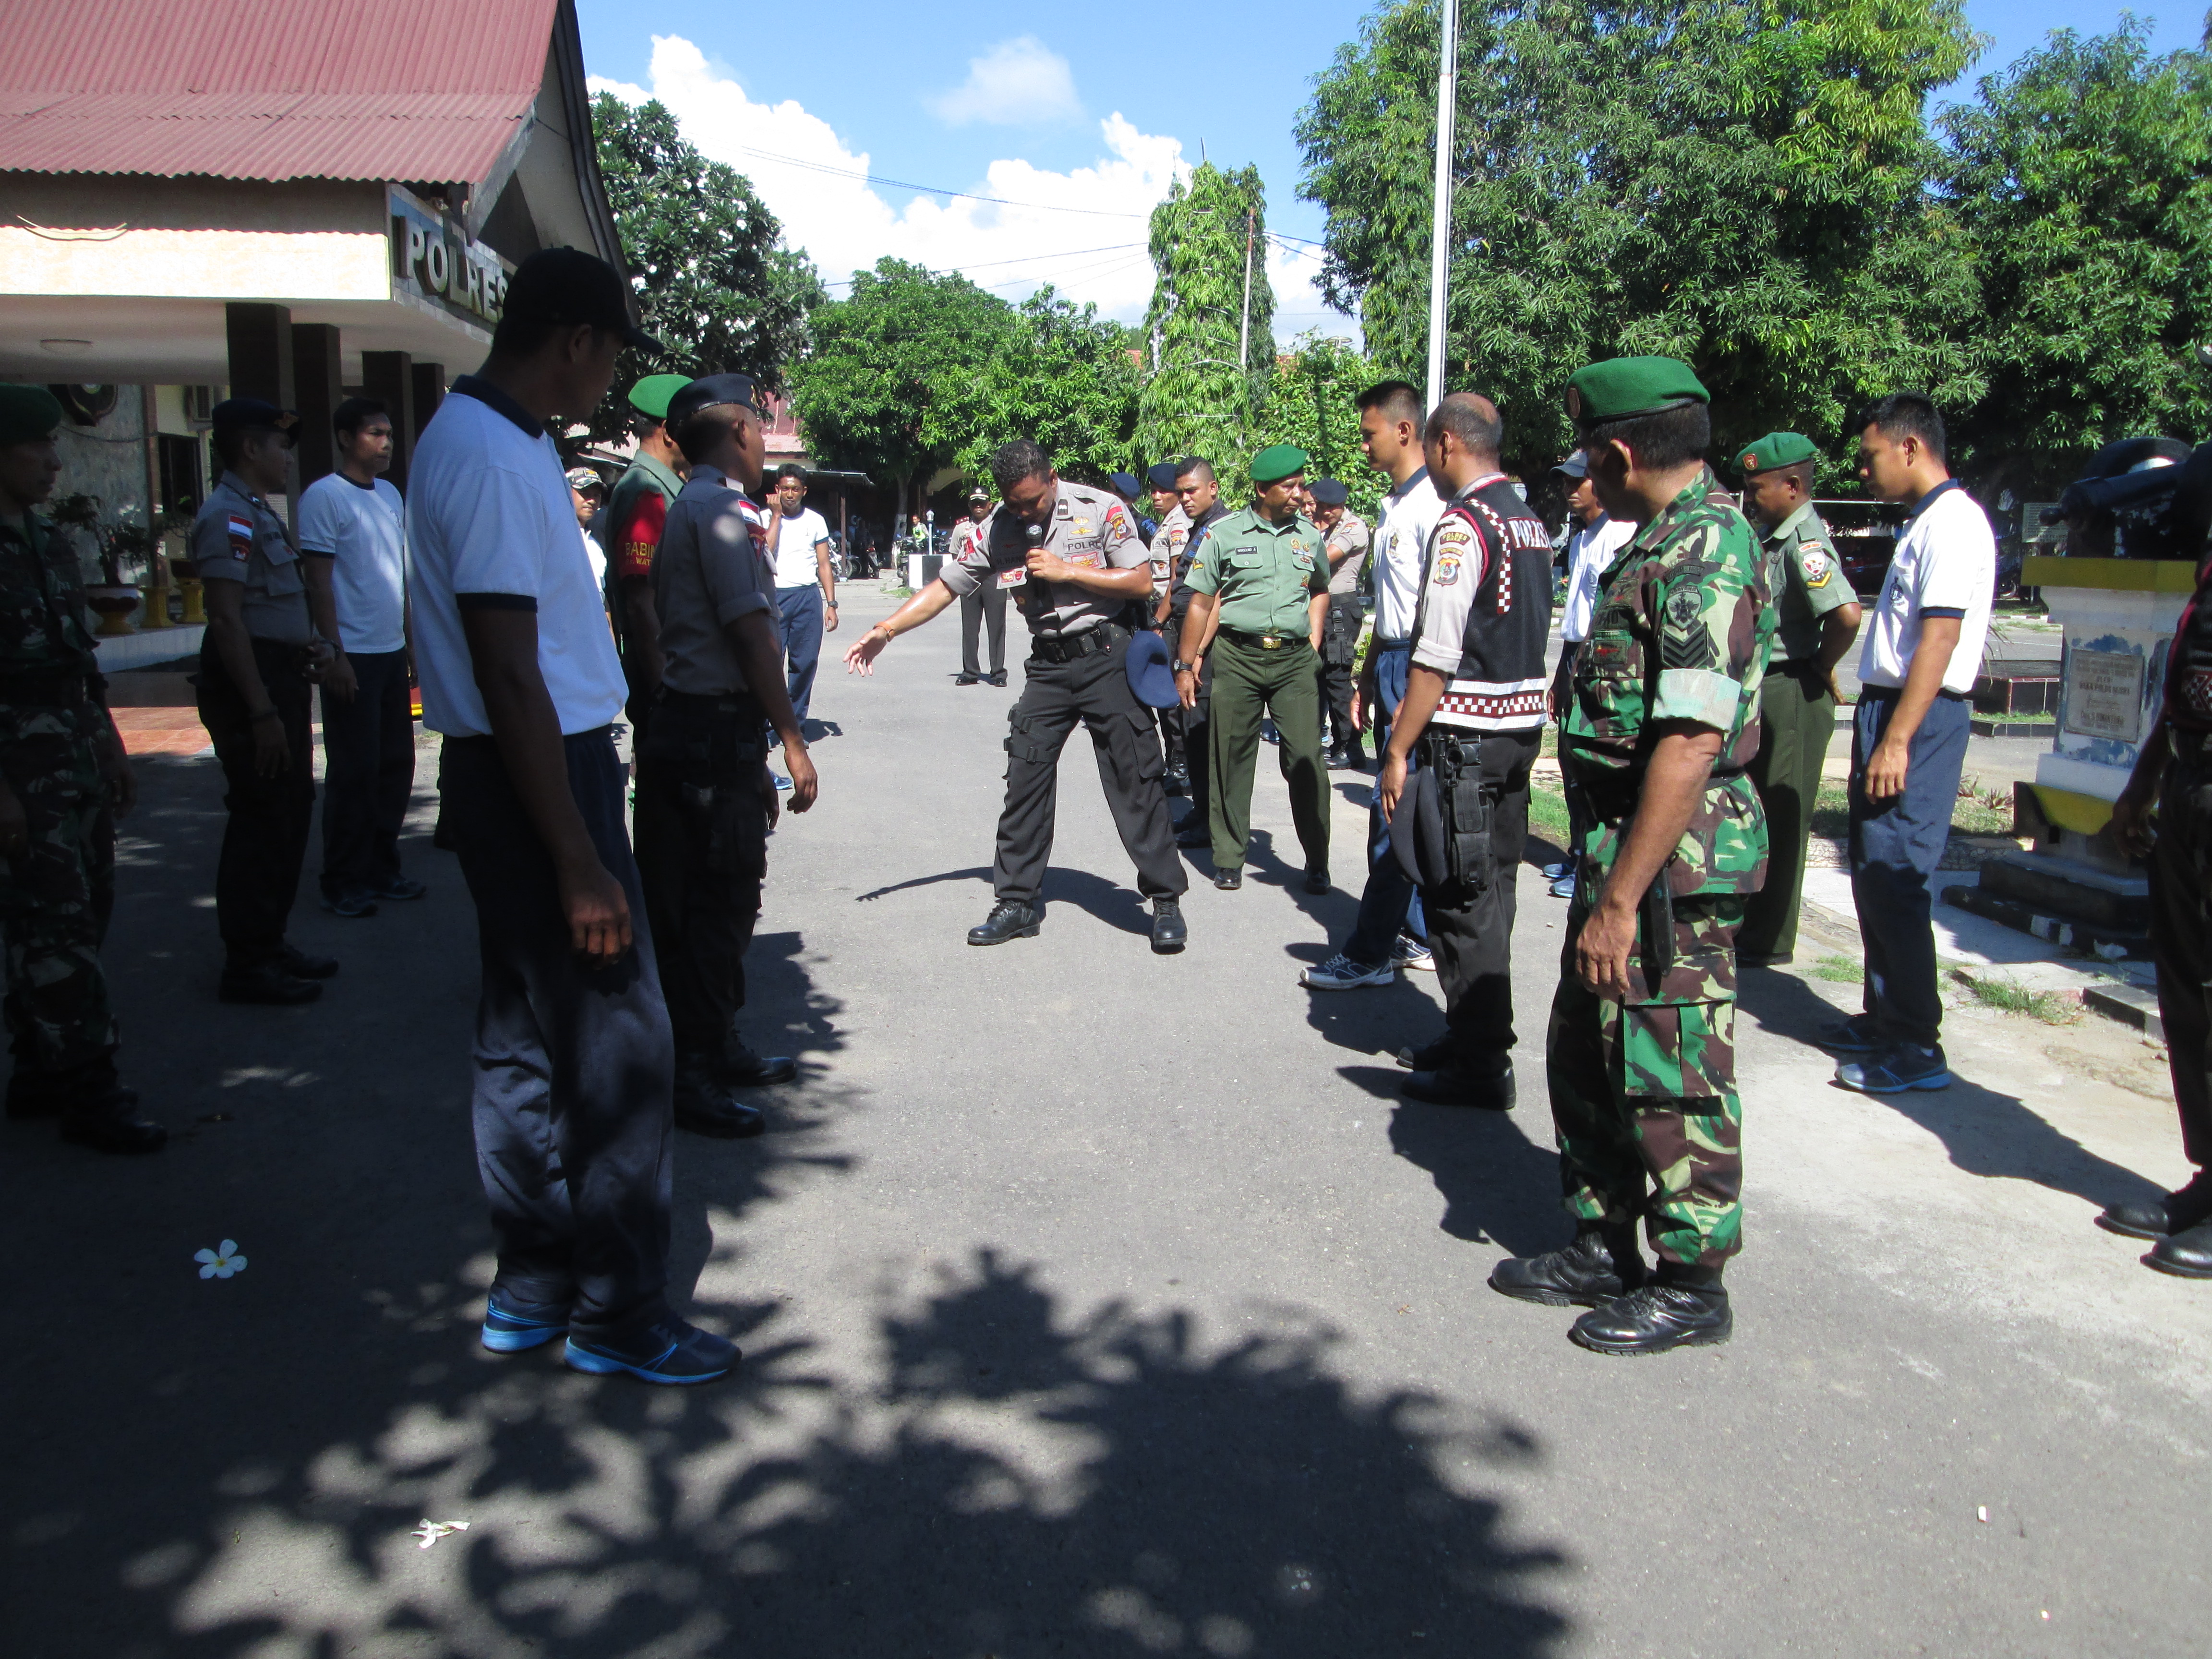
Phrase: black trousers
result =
(264, 842)
(1471, 918)
(368, 774)
(1340, 640)
(2181, 934)
(1093, 691)
(574, 1070)
(702, 856)
(1187, 729)
(987, 605)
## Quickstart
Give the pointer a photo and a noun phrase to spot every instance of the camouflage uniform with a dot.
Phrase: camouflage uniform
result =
(55, 900)
(1647, 1087)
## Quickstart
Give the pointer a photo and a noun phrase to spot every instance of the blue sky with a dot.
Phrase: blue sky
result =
(1078, 132)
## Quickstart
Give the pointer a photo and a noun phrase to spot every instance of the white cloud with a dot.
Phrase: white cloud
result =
(1021, 82)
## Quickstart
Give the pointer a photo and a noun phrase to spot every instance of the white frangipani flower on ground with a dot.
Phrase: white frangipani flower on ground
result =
(221, 1262)
(431, 1531)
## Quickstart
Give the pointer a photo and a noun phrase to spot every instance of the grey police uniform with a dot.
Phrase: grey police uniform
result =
(238, 537)
(1075, 672)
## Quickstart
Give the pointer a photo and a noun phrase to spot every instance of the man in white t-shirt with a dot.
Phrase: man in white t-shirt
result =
(805, 587)
(353, 532)
(1597, 539)
(1924, 646)
(575, 1062)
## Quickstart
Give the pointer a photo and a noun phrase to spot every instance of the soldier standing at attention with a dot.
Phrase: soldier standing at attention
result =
(64, 780)
(1261, 584)
(1072, 559)
(1347, 541)
(256, 663)
(1819, 616)
(1475, 698)
(1660, 730)
(635, 514)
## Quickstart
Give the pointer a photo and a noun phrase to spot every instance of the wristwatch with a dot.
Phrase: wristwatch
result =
(1182, 668)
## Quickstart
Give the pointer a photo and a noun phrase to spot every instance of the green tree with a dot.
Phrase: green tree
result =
(1068, 379)
(715, 283)
(2080, 176)
(1741, 183)
(895, 385)
(1312, 404)
(1200, 397)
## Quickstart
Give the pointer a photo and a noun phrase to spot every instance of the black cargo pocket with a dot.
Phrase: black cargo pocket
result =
(1023, 746)
(1148, 759)
(1467, 857)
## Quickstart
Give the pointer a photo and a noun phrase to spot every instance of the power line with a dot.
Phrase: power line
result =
(1024, 260)
(931, 190)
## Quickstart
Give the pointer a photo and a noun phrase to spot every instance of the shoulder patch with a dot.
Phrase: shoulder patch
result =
(1813, 559)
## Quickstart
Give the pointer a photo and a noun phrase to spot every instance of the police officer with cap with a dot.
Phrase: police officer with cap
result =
(1166, 542)
(636, 513)
(1818, 614)
(706, 799)
(64, 780)
(1127, 487)
(1199, 492)
(1662, 722)
(984, 608)
(1261, 587)
(1346, 539)
(257, 660)
(1070, 558)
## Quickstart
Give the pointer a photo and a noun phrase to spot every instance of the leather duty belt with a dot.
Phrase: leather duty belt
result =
(1067, 648)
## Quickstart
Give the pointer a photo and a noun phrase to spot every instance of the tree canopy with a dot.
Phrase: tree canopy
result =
(1199, 397)
(1312, 404)
(1066, 378)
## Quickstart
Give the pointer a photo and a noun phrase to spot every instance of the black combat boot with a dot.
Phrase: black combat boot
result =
(1600, 1264)
(704, 1107)
(1169, 935)
(99, 1112)
(2170, 1213)
(1432, 1056)
(1678, 1308)
(1484, 1082)
(1009, 919)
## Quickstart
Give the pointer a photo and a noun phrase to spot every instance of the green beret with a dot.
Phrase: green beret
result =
(1277, 462)
(650, 396)
(1777, 449)
(27, 414)
(1621, 387)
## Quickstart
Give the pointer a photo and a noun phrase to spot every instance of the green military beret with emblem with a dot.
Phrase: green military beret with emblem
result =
(651, 395)
(1622, 387)
(1277, 462)
(1777, 449)
(27, 414)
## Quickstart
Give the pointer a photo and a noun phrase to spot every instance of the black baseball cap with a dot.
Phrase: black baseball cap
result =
(1327, 492)
(710, 392)
(255, 415)
(559, 285)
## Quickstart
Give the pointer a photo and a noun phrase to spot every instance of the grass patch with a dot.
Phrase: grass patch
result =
(2017, 719)
(1547, 812)
(2010, 997)
(1839, 970)
(1977, 812)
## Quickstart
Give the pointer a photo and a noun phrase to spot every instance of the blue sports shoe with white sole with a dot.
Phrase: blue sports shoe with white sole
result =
(1901, 1068)
(1854, 1036)
(511, 1327)
(669, 1350)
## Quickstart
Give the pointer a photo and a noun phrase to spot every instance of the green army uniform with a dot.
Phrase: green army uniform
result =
(1796, 713)
(637, 512)
(1264, 663)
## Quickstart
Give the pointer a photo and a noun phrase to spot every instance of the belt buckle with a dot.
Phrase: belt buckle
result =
(1271, 641)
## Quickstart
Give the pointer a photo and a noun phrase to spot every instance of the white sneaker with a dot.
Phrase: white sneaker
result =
(1411, 954)
(1341, 973)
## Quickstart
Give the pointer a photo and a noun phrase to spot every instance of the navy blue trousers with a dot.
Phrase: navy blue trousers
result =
(1390, 901)
(799, 613)
(1895, 848)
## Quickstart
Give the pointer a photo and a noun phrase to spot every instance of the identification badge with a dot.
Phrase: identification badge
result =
(1015, 577)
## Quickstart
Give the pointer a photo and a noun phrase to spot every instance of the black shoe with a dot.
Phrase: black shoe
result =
(1169, 934)
(997, 676)
(668, 1350)
(1318, 882)
(742, 1068)
(2173, 1213)
(298, 963)
(1432, 1056)
(1229, 880)
(99, 1112)
(702, 1107)
(398, 888)
(269, 984)
(1009, 919)
(1336, 760)
(1452, 1086)
(1586, 1273)
(1176, 780)
(1195, 836)
(2186, 1255)
(1657, 1317)
(350, 904)
(967, 679)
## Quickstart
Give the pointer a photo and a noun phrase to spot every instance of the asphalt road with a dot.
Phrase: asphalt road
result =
(1093, 1304)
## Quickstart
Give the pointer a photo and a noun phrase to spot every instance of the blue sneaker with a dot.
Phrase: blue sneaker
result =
(1553, 872)
(1854, 1036)
(669, 1350)
(780, 780)
(1902, 1068)
(1564, 886)
(513, 1327)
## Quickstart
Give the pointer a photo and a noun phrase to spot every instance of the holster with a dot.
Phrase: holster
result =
(1469, 807)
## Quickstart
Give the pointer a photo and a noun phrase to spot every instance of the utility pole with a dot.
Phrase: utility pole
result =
(1440, 239)
(1244, 333)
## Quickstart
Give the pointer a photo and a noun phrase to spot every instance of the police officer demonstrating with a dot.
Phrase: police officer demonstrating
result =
(1070, 558)
(1662, 727)
(64, 780)
(1260, 599)
(1346, 539)
(637, 512)
(1199, 493)
(705, 799)
(1474, 704)
(1819, 618)
(257, 660)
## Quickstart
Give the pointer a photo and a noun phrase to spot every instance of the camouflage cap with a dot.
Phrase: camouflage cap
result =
(1622, 387)
(27, 414)
(651, 395)
(1777, 449)
(1277, 462)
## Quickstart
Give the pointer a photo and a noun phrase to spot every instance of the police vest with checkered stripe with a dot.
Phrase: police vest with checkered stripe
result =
(1500, 684)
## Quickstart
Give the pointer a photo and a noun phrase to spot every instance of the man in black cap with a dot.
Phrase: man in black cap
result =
(574, 1063)
(257, 660)
(1125, 485)
(986, 606)
(1345, 539)
(706, 799)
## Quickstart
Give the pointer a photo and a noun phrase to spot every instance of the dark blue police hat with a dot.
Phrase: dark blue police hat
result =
(1161, 475)
(255, 415)
(1124, 484)
(1327, 492)
(710, 392)
(1416, 831)
(1149, 677)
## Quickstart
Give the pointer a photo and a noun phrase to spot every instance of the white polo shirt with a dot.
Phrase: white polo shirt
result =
(796, 565)
(491, 522)
(1402, 540)
(1591, 552)
(362, 530)
(1946, 562)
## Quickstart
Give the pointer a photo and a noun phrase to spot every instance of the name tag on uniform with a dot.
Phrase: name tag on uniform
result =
(1015, 577)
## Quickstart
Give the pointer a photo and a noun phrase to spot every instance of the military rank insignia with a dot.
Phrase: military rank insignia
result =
(1814, 559)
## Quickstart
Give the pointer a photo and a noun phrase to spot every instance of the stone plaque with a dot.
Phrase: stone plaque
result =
(2104, 693)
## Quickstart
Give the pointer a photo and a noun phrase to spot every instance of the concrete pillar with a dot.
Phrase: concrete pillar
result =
(389, 378)
(429, 392)
(316, 378)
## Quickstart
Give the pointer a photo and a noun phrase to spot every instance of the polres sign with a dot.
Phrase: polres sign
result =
(432, 261)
